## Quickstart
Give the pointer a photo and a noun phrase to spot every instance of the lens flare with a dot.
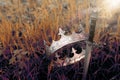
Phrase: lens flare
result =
(109, 7)
(112, 4)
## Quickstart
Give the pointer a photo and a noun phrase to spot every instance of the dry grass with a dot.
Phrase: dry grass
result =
(43, 21)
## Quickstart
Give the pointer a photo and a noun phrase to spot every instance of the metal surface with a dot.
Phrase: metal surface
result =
(89, 45)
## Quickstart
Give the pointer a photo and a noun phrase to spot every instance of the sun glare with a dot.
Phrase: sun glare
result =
(112, 4)
(109, 7)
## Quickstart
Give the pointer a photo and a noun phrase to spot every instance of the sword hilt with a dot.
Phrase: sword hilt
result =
(92, 30)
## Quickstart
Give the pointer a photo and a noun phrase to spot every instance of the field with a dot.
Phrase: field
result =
(26, 25)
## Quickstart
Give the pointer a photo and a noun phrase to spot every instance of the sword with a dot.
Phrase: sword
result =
(89, 44)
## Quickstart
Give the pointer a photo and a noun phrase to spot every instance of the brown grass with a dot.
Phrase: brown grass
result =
(44, 23)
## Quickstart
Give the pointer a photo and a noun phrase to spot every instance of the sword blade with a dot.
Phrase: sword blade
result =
(87, 60)
(89, 46)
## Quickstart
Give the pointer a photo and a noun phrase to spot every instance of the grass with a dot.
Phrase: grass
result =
(43, 21)
(25, 26)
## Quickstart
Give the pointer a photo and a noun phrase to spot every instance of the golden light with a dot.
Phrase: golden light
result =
(109, 7)
(112, 4)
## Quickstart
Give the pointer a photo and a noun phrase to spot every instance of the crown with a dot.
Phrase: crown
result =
(66, 39)
(68, 49)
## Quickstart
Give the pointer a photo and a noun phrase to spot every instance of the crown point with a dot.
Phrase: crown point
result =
(53, 41)
(61, 32)
(73, 50)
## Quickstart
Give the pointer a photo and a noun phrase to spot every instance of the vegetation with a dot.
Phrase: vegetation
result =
(25, 24)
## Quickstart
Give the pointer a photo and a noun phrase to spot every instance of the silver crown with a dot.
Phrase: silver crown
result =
(65, 40)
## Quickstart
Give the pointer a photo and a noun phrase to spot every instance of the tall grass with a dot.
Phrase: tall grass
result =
(40, 21)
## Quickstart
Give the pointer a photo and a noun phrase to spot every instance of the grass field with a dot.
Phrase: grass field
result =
(25, 24)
